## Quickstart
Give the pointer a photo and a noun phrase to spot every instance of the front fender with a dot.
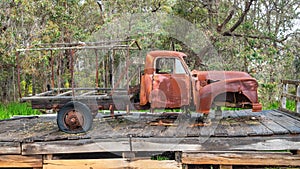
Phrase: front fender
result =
(246, 86)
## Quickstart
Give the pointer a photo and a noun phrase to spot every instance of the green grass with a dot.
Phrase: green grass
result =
(290, 105)
(159, 158)
(11, 109)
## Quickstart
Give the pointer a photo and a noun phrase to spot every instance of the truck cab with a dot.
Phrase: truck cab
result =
(167, 82)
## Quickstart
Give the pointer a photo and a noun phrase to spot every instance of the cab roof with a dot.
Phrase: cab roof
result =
(149, 64)
(163, 53)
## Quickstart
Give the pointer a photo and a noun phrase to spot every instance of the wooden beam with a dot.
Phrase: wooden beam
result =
(103, 145)
(225, 166)
(110, 164)
(10, 148)
(241, 158)
(163, 144)
(18, 161)
(295, 82)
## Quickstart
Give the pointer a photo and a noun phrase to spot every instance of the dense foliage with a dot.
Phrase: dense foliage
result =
(259, 37)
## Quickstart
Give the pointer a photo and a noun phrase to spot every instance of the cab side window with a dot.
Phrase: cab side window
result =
(179, 69)
(169, 66)
(164, 65)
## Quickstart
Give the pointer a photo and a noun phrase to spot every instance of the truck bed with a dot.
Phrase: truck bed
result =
(57, 97)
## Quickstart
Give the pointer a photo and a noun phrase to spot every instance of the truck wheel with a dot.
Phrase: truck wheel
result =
(74, 117)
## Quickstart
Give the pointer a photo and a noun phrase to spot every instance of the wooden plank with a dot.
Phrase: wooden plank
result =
(10, 148)
(225, 166)
(160, 144)
(18, 161)
(291, 97)
(104, 145)
(272, 125)
(238, 123)
(110, 164)
(295, 82)
(221, 130)
(289, 112)
(287, 122)
(237, 126)
(257, 127)
(74, 146)
(243, 158)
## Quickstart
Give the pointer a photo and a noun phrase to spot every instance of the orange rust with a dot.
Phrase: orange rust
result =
(164, 88)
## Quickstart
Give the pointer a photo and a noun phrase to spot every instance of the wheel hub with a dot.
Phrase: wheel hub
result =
(74, 120)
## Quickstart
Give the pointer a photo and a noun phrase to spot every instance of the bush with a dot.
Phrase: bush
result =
(11, 109)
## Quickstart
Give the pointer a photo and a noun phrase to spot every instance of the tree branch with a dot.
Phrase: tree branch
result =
(228, 18)
(241, 19)
(156, 7)
(261, 37)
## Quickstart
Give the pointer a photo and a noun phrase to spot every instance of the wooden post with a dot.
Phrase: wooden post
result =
(127, 109)
(283, 98)
(19, 78)
(97, 69)
(112, 60)
(59, 73)
(126, 65)
(72, 72)
(297, 98)
(47, 157)
(52, 69)
(112, 110)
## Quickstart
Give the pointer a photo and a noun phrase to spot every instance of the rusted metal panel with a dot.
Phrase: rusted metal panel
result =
(210, 84)
(165, 89)
(170, 91)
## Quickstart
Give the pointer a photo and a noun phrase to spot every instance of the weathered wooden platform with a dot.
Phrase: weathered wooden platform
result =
(234, 138)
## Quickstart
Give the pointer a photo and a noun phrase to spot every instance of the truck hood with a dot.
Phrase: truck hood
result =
(211, 84)
(220, 75)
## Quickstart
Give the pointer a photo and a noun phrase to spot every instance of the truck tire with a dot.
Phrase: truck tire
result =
(74, 117)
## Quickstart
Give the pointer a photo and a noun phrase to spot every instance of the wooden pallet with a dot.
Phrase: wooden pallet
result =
(246, 158)
(239, 138)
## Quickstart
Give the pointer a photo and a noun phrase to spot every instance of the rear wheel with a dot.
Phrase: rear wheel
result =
(74, 117)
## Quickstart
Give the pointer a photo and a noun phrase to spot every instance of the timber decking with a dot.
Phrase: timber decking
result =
(236, 138)
(236, 130)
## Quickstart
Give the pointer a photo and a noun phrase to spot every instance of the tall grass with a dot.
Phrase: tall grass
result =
(11, 109)
(290, 105)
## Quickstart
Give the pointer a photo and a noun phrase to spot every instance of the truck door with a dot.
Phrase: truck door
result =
(171, 84)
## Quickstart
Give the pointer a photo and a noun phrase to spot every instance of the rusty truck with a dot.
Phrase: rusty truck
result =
(166, 82)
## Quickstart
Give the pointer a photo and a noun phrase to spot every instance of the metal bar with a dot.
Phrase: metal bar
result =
(104, 97)
(86, 43)
(52, 69)
(72, 72)
(88, 93)
(116, 47)
(18, 72)
(87, 88)
(64, 93)
(44, 93)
